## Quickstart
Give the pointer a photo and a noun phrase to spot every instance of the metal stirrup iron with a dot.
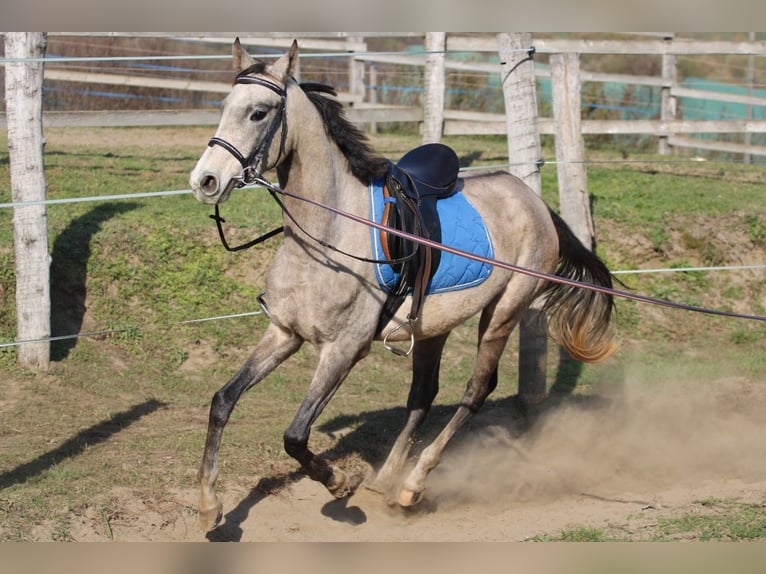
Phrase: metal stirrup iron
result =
(397, 350)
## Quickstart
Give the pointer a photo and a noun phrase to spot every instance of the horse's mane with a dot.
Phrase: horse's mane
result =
(364, 162)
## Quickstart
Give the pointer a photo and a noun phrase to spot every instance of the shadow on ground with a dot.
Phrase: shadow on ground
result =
(98, 433)
(69, 272)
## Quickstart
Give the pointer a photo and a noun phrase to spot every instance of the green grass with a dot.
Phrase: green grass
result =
(723, 521)
(711, 520)
(581, 534)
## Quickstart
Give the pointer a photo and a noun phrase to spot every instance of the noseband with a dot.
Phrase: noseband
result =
(251, 164)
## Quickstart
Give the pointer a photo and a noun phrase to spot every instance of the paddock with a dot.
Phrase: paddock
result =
(104, 445)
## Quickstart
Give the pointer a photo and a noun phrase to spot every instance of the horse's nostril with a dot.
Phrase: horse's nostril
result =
(209, 185)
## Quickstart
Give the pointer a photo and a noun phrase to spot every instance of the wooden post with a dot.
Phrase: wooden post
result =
(372, 90)
(23, 95)
(524, 154)
(433, 109)
(747, 157)
(574, 200)
(570, 149)
(355, 71)
(667, 102)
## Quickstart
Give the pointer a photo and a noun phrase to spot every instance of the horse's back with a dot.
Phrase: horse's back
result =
(518, 220)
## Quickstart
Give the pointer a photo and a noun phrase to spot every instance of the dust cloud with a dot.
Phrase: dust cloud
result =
(628, 440)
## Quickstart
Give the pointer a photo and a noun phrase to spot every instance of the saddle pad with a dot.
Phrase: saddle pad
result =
(462, 228)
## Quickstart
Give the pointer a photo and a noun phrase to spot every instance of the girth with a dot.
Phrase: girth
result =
(412, 187)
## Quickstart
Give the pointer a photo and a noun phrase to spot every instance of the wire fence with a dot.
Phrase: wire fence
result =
(465, 88)
(140, 64)
(133, 328)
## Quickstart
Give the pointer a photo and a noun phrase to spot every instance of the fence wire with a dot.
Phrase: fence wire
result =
(71, 61)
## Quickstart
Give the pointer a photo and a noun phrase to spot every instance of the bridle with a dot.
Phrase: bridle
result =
(251, 165)
(251, 174)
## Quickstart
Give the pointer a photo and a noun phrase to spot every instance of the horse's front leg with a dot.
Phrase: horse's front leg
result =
(274, 347)
(335, 362)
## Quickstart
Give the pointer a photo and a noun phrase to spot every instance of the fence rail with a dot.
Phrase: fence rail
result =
(364, 107)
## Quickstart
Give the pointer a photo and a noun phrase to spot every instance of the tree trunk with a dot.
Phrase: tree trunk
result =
(23, 93)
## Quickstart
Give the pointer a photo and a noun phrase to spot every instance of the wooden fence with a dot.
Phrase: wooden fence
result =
(364, 107)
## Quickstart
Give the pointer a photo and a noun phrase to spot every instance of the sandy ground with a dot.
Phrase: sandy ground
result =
(619, 461)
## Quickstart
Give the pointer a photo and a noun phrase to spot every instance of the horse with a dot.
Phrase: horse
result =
(321, 288)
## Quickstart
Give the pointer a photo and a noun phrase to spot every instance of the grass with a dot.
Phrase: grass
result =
(712, 520)
(129, 408)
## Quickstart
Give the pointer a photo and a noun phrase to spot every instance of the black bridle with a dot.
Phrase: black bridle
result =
(252, 164)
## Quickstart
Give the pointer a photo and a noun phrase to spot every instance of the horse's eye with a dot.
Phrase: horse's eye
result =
(258, 115)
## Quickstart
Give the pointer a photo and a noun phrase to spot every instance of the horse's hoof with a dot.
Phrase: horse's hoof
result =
(355, 481)
(344, 485)
(409, 498)
(209, 518)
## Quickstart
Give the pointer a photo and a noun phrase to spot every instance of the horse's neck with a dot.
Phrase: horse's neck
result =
(317, 170)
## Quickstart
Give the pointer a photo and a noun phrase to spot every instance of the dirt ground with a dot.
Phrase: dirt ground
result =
(618, 462)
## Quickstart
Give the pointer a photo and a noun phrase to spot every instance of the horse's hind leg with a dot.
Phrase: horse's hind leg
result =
(494, 329)
(426, 360)
(274, 347)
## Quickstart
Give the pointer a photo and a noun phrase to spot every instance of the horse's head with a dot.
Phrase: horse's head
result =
(251, 133)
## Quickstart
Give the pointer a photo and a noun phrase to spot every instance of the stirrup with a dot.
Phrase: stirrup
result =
(262, 303)
(396, 350)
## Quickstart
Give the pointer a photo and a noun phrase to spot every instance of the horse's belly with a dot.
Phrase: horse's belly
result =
(442, 312)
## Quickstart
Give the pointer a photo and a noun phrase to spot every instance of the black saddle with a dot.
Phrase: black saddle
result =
(413, 186)
(433, 169)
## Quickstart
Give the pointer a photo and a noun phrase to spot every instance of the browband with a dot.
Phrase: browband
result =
(261, 82)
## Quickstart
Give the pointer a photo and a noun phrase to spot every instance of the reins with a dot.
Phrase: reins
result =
(251, 163)
(276, 190)
(220, 220)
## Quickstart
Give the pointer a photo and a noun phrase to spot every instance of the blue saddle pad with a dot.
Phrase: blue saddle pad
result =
(462, 228)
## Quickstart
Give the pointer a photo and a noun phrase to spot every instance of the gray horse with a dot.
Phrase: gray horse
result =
(317, 293)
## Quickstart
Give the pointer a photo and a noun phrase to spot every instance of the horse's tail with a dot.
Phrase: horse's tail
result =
(580, 319)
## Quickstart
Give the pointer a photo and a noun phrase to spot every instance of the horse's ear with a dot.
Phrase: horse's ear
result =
(242, 59)
(285, 66)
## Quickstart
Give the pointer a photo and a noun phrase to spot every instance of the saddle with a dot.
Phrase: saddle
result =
(412, 187)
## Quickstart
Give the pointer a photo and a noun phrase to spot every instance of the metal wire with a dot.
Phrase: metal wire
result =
(96, 59)
(123, 330)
